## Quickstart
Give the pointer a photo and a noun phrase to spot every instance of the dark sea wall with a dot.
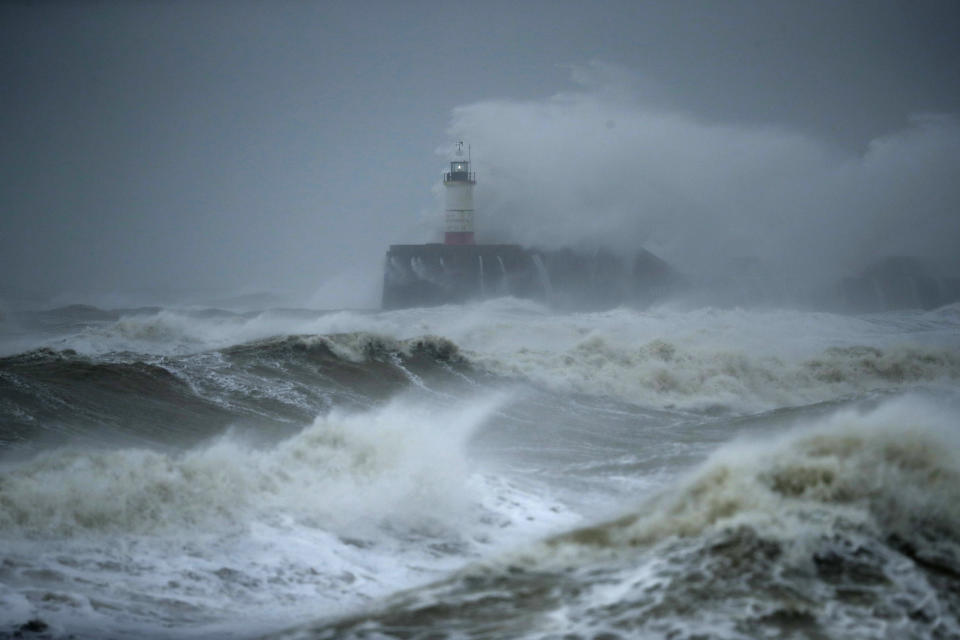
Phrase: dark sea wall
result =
(899, 282)
(433, 274)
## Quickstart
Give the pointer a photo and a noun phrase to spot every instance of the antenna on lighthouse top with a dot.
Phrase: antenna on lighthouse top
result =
(460, 148)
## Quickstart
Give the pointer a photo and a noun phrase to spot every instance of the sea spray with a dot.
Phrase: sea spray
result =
(894, 469)
(844, 527)
(230, 536)
(402, 461)
(671, 374)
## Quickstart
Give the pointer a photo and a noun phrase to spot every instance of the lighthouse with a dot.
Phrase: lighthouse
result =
(459, 183)
(460, 270)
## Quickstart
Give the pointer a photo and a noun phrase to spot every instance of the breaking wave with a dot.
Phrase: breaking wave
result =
(235, 535)
(893, 470)
(668, 374)
(704, 360)
(849, 527)
(401, 462)
(159, 399)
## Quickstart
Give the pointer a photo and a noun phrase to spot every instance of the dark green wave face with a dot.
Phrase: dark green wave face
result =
(272, 385)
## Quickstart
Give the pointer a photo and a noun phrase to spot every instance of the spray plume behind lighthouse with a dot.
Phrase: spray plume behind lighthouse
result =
(458, 186)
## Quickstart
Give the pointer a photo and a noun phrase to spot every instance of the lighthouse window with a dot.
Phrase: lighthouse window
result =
(459, 171)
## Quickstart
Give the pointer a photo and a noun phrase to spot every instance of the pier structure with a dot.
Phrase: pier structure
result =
(459, 270)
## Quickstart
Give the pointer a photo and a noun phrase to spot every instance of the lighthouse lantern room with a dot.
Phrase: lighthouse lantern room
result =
(459, 183)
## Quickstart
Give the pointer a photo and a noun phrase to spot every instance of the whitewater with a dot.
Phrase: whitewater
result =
(492, 470)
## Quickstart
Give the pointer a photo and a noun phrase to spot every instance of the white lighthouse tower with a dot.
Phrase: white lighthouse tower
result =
(459, 183)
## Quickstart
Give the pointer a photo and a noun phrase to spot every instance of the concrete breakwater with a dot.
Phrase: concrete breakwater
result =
(422, 275)
(899, 282)
(432, 274)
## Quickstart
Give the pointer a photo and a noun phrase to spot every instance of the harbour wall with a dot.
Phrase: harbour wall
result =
(899, 282)
(418, 275)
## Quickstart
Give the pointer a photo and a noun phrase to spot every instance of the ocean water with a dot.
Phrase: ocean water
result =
(495, 470)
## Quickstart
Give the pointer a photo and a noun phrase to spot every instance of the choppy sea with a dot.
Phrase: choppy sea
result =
(495, 470)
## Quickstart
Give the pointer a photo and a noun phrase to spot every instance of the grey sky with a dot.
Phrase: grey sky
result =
(244, 146)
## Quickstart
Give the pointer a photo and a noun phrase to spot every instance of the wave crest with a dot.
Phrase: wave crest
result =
(894, 470)
(403, 462)
(847, 528)
(668, 374)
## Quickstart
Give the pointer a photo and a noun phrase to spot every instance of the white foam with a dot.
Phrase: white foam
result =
(402, 458)
(841, 525)
(734, 359)
(356, 506)
(888, 469)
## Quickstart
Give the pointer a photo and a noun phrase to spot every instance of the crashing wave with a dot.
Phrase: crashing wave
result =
(403, 462)
(848, 528)
(668, 374)
(186, 399)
